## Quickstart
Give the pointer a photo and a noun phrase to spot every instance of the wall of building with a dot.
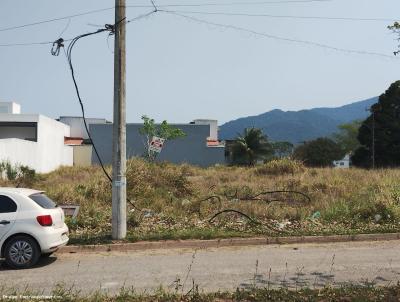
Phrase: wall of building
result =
(20, 152)
(82, 155)
(53, 152)
(10, 108)
(77, 126)
(213, 124)
(45, 155)
(190, 149)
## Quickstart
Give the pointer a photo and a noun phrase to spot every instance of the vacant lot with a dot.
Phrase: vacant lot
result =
(177, 201)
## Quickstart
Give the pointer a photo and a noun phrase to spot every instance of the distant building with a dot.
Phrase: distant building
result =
(343, 163)
(77, 125)
(199, 147)
(45, 144)
(33, 140)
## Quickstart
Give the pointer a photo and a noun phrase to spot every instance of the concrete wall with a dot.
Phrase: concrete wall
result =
(190, 149)
(213, 127)
(53, 152)
(82, 155)
(20, 152)
(45, 155)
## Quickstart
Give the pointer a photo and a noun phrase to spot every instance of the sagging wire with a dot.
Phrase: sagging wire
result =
(236, 212)
(275, 37)
(254, 197)
(110, 29)
(55, 51)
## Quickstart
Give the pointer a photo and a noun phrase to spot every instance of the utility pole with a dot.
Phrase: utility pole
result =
(372, 111)
(373, 138)
(119, 127)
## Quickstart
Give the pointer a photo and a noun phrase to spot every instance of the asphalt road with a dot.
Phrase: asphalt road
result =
(214, 269)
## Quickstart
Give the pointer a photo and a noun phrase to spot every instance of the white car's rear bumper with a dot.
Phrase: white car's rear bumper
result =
(54, 239)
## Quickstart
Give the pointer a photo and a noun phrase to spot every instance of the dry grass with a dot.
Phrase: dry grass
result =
(168, 204)
(347, 293)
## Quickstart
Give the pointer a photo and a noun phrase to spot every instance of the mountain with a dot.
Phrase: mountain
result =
(299, 126)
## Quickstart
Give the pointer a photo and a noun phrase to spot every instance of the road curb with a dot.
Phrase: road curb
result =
(215, 243)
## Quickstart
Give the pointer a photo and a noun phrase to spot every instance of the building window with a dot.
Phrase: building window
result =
(20, 130)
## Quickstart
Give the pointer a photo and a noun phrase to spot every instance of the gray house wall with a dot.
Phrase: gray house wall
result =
(190, 149)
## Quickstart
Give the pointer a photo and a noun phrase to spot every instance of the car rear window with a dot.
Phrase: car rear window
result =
(43, 201)
(7, 205)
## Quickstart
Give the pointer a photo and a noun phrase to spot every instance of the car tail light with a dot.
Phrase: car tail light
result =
(45, 220)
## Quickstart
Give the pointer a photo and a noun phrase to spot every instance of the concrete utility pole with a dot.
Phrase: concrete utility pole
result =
(373, 138)
(119, 127)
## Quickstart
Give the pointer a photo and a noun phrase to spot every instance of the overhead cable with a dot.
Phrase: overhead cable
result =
(58, 44)
(279, 38)
(287, 16)
(70, 39)
(55, 19)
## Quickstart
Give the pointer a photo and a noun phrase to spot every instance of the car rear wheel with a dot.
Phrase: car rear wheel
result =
(21, 252)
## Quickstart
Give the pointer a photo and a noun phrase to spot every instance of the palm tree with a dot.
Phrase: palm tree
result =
(250, 147)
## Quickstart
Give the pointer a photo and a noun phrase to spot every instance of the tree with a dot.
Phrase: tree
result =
(163, 130)
(396, 29)
(379, 134)
(319, 153)
(346, 138)
(282, 149)
(250, 147)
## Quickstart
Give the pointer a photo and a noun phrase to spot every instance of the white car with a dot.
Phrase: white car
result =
(31, 225)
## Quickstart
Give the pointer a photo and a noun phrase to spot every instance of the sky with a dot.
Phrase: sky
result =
(180, 69)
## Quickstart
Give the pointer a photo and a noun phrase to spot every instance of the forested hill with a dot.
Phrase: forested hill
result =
(299, 126)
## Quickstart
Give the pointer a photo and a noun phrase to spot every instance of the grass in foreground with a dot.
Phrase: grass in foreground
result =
(170, 201)
(345, 294)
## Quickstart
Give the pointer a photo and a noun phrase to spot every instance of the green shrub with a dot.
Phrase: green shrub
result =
(22, 174)
(11, 171)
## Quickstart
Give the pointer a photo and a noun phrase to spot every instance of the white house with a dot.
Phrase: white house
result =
(343, 163)
(33, 140)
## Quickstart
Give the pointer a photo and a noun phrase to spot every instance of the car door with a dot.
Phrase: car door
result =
(8, 214)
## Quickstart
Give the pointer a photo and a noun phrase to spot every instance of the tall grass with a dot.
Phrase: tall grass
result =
(168, 198)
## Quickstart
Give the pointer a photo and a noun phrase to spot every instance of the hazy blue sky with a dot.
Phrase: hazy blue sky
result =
(180, 70)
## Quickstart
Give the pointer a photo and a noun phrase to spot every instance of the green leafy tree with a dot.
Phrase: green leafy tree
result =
(250, 147)
(163, 130)
(384, 122)
(282, 149)
(396, 29)
(319, 153)
(347, 136)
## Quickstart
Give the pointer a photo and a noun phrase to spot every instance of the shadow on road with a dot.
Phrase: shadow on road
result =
(43, 261)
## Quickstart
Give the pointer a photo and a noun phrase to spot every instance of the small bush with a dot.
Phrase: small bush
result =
(281, 167)
(19, 173)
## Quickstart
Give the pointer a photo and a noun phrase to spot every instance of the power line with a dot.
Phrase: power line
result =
(274, 37)
(182, 5)
(142, 16)
(234, 3)
(26, 44)
(288, 16)
(55, 19)
(68, 40)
